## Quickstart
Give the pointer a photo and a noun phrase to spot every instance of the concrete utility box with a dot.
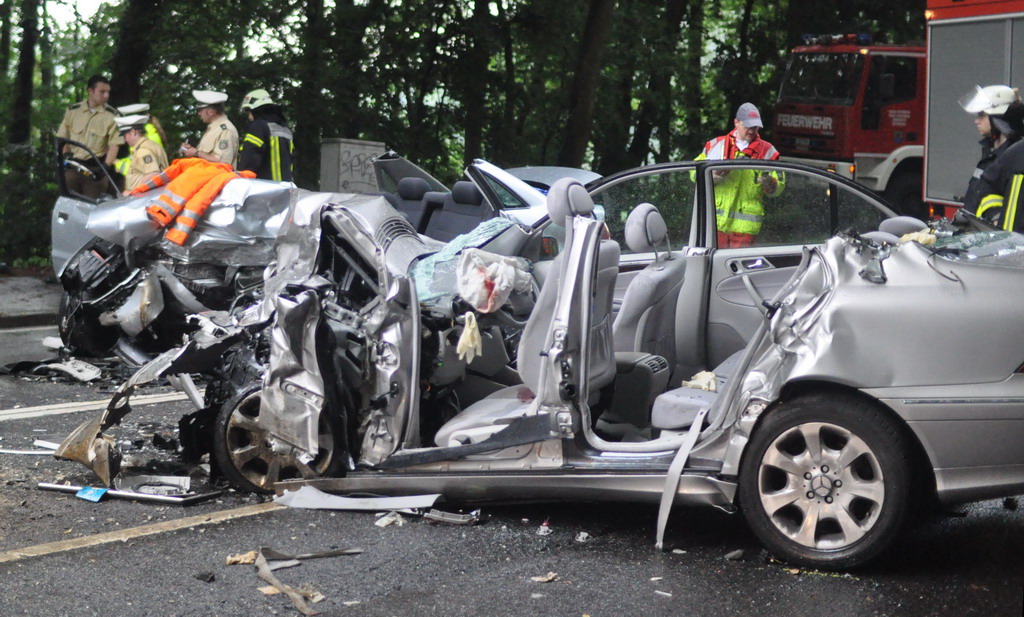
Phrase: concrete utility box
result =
(345, 165)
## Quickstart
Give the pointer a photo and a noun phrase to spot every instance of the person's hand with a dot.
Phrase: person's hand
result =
(768, 183)
(187, 149)
(719, 175)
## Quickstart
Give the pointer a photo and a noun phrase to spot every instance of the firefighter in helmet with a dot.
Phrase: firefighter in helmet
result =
(267, 146)
(999, 116)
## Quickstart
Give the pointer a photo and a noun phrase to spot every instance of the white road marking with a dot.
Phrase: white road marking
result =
(123, 535)
(20, 413)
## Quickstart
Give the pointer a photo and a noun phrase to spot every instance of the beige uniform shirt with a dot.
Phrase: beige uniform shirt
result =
(220, 140)
(93, 127)
(147, 158)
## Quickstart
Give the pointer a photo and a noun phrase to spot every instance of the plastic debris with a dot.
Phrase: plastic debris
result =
(704, 380)
(547, 578)
(734, 555)
(678, 551)
(154, 485)
(91, 493)
(82, 371)
(657, 578)
(391, 518)
(663, 593)
(545, 529)
(312, 498)
(583, 537)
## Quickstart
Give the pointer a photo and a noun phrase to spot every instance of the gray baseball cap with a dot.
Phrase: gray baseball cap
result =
(748, 115)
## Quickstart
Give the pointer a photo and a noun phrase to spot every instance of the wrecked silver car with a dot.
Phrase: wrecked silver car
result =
(813, 393)
(129, 290)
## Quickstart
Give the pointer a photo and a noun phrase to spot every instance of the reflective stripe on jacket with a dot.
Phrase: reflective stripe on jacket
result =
(739, 195)
(267, 149)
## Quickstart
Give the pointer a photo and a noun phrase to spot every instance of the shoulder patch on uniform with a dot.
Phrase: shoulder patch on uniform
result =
(75, 106)
(112, 109)
(147, 159)
(223, 145)
(223, 127)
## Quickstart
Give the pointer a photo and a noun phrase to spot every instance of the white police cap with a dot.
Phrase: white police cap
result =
(137, 108)
(209, 97)
(127, 123)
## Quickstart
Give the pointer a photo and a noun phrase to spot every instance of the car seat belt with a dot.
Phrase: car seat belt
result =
(675, 471)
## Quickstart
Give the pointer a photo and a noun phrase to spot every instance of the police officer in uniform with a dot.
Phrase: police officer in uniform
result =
(267, 145)
(220, 141)
(147, 159)
(999, 116)
(154, 132)
(91, 123)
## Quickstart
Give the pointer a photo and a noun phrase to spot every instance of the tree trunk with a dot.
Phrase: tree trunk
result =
(5, 38)
(20, 127)
(134, 50)
(690, 83)
(309, 108)
(584, 83)
(475, 80)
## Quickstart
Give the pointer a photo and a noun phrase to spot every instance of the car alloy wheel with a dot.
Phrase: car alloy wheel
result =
(246, 455)
(825, 480)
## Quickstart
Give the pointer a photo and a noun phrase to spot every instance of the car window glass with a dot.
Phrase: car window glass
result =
(779, 207)
(508, 198)
(671, 191)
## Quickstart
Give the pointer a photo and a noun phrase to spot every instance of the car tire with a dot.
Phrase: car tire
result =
(825, 481)
(80, 332)
(244, 454)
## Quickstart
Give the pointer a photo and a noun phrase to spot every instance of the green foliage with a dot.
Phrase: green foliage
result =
(436, 81)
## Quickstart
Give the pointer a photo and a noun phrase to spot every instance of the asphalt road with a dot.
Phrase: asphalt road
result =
(966, 564)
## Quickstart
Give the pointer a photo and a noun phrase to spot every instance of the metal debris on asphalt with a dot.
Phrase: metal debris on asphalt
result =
(177, 500)
(453, 518)
(267, 560)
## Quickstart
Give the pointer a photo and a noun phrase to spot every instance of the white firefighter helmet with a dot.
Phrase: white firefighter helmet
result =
(255, 99)
(993, 100)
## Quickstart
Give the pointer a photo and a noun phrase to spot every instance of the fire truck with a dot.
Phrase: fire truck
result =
(858, 109)
(887, 116)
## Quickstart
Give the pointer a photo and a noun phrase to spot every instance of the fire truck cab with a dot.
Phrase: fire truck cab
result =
(858, 109)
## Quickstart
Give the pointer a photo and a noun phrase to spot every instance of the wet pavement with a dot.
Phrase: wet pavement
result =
(970, 562)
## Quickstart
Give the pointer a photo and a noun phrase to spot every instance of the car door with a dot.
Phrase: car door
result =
(811, 206)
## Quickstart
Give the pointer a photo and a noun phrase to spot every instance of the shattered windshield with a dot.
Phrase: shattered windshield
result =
(997, 248)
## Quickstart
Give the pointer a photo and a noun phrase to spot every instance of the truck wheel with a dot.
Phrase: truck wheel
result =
(244, 454)
(81, 332)
(904, 193)
(825, 481)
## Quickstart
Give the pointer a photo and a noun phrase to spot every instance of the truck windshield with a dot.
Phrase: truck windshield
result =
(825, 79)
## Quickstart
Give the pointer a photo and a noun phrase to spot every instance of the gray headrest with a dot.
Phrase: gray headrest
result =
(645, 229)
(899, 225)
(567, 197)
(465, 192)
(881, 237)
(412, 188)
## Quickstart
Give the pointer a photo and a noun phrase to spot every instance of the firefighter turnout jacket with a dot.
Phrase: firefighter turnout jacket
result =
(739, 193)
(267, 149)
(1000, 188)
(190, 186)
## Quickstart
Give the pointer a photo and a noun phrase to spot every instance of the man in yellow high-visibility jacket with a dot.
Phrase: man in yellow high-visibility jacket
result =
(738, 193)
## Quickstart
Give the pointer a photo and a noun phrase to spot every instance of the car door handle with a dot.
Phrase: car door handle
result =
(750, 264)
